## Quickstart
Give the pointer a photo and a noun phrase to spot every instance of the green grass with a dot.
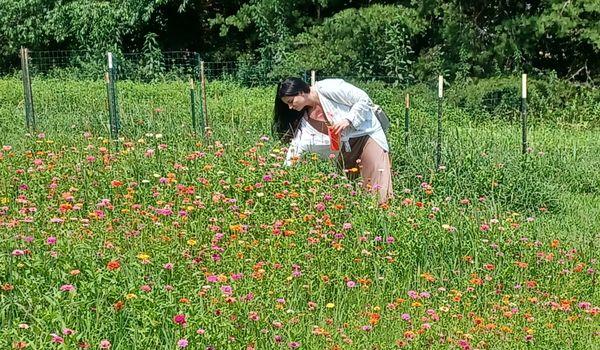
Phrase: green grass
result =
(502, 245)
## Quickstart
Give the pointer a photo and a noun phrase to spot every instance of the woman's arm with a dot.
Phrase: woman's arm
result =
(295, 150)
(345, 93)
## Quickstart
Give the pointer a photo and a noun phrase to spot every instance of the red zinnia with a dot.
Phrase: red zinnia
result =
(113, 265)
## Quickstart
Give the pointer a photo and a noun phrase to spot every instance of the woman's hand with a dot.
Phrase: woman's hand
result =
(340, 126)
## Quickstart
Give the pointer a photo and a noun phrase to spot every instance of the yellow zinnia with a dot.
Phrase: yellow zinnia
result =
(143, 256)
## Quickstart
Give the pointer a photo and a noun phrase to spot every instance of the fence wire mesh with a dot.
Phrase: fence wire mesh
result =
(163, 93)
(69, 90)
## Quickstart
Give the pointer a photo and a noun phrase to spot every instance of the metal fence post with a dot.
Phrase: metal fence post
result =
(112, 99)
(524, 113)
(193, 104)
(198, 75)
(27, 91)
(203, 89)
(406, 119)
(438, 149)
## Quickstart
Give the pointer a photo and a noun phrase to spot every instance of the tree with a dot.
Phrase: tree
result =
(375, 41)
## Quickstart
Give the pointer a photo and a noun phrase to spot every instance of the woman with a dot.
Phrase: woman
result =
(303, 115)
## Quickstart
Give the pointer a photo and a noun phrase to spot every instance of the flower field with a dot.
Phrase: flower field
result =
(170, 240)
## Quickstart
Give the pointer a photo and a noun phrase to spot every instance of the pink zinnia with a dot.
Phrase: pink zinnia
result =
(412, 294)
(104, 344)
(464, 344)
(182, 343)
(68, 331)
(164, 211)
(18, 252)
(179, 319)
(351, 284)
(253, 316)
(212, 278)
(294, 345)
(51, 240)
(56, 338)
(227, 290)
(584, 305)
(320, 206)
(67, 288)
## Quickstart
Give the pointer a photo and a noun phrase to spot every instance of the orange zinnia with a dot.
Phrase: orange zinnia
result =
(374, 318)
(118, 306)
(428, 277)
(522, 265)
(489, 267)
(113, 265)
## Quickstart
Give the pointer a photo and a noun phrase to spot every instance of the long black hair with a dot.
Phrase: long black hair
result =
(286, 120)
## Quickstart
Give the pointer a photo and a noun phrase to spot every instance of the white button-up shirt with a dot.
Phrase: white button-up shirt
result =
(340, 100)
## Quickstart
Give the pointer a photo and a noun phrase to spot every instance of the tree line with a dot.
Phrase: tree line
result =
(403, 41)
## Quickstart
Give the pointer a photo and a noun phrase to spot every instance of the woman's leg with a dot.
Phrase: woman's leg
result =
(375, 169)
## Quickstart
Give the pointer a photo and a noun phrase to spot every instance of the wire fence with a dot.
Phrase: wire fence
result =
(127, 95)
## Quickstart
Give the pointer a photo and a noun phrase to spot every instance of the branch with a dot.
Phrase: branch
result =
(587, 72)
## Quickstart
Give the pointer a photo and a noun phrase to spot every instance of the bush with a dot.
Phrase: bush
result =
(548, 100)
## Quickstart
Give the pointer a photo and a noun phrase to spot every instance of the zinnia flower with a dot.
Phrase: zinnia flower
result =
(18, 252)
(68, 331)
(56, 338)
(179, 319)
(113, 265)
(227, 290)
(67, 288)
(253, 316)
